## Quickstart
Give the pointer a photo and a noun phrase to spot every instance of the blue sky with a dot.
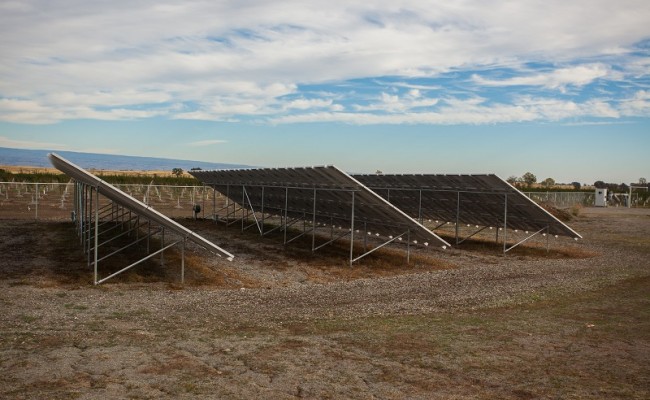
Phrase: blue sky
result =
(561, 89)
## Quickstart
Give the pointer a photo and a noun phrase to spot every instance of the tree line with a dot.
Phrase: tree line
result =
(528, 181)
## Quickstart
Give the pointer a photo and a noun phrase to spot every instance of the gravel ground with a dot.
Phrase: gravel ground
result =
(244, 331)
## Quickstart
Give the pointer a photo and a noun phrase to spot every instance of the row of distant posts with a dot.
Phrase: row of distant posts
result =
(599, 198)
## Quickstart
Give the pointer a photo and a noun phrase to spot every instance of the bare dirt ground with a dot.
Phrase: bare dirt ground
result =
(283, 323)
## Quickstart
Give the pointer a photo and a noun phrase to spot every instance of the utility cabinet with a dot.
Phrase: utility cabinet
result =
(601, 198)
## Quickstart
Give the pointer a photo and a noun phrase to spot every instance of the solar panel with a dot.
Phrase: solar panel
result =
(323, 194)
(484, 200)
(136, 206)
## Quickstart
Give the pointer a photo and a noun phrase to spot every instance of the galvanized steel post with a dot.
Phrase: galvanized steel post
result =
(313, 224)
(96, 231)
(36, 202)
(457, 216)
(505, 223)
(352, 230)
(286, 212)
(183, 261)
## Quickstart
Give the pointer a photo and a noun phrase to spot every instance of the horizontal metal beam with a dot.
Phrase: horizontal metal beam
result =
(136, 263)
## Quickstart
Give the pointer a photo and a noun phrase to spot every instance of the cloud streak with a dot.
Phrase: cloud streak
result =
(209, 142)
(28, 144)
(560, 78)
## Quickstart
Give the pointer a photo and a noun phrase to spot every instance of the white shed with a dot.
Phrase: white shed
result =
(601, 198)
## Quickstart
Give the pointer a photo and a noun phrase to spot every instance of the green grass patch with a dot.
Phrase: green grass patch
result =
(29, 318)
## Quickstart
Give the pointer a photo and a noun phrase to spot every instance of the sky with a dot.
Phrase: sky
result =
(557, 88)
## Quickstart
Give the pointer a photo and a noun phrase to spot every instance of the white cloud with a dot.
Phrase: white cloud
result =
(228, 60)
(555, 110)
(27, 144)
(306, 104)
(638, 105)
(27, 111)
(33, 112)
(558, 79)
(476, 110)
(107, 99)
(395, 103)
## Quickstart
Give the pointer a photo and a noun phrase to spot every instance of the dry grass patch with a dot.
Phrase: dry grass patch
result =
(189, 365)
(533, 249)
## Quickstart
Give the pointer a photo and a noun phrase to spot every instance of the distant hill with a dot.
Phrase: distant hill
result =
(38, 158)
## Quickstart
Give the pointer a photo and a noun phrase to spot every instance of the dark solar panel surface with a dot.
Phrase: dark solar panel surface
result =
(473, 199)
(276, 190)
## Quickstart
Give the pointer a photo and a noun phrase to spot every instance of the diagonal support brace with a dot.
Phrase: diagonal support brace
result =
(524, 240)
(380, 246)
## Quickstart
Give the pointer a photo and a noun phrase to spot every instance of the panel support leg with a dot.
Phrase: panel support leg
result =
(505, 223)
(313, 225)
(96, 231)
(183, 261)
(408, 247)
(162, 247)
(457, 216)
(352, 230)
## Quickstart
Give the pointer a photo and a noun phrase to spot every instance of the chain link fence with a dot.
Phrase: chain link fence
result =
(587, 199)
(19, 200)
(563, 199)
(54, 201)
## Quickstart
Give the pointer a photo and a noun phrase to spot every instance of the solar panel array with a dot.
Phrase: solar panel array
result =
(484, 200)
(125, 200)
(324, 194)
(391, 206)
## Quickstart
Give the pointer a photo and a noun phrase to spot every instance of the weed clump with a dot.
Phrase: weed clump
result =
(561, 214)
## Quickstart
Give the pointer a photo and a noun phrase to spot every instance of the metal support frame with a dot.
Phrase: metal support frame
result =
(278, 227)
(457, 216)
(288, 224)
(332, 240)
(101, 225)
(385, 244)
(505, 223)
(313, 222)
(451, 212)
(439, 225)
(503, 228)
(257, 222)
(234, 212)
(352, 230)
(305, 232)
(36, 194)
(476, 232)
(262, 213)
(525, 240)
(97, 282)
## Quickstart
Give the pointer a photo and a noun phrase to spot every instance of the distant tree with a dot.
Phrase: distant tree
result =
(643, 181)
(379, 172)
(576, 185)
(195, 169)
(528, 178)
(513, 180)
(548, 182)
(177, 171)
(623, 187)
(600, 185)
